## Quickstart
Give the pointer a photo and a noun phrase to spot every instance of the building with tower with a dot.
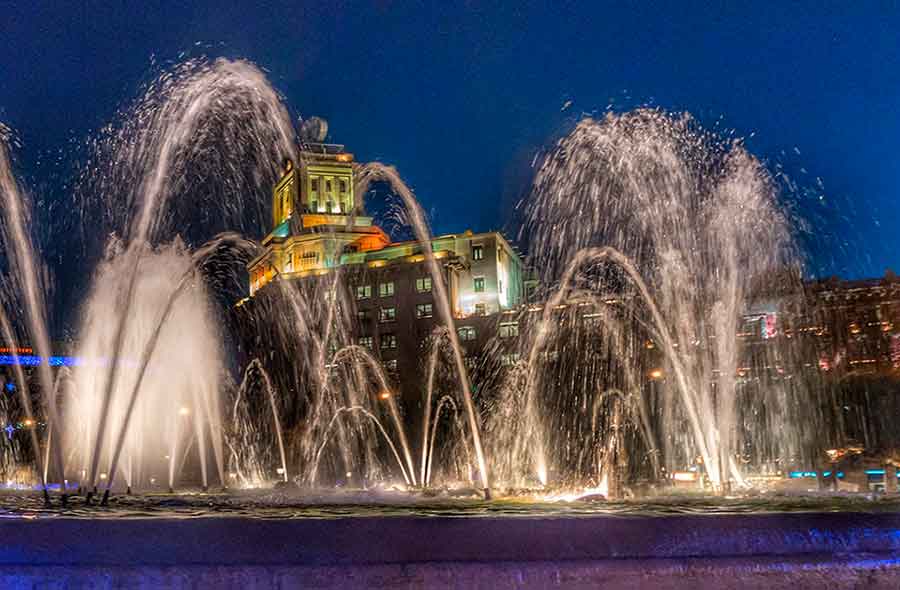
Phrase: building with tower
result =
(320, 227)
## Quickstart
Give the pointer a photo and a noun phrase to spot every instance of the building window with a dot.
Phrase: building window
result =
(343, 185)
(386, 289)
(507, 360)
(478, 283)
(365, 342)
(363, 315)
(480, 309)
(466, 333)
(363, 291)
(423, 285)
(500, 285)
(314, 184)
(328, 186)
(314, 206)
(390, 365)
(388, 314)
(388, 341)
(424, 310)
(477, 252)
(508, 330)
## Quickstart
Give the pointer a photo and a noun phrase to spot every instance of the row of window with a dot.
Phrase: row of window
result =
(423, 285)
(389, 341)
(426, 310)
(389, 314)
(465, 333)
(343, 185)
(387, 289)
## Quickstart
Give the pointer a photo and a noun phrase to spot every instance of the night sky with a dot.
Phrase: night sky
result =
(460, 98)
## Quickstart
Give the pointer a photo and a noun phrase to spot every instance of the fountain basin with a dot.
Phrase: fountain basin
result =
(771, 550)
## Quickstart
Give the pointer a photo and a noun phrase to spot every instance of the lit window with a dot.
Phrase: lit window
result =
(510, 359)
(388, 314)
(480, 309)
(386, 289)
(363, 291)
(508, 330)
(363, 315)
(479, 284)
(466, 333)
(388, 341)
(424, 310)
(477, 252)
(423, 285)
(366, 342)
(390, 364)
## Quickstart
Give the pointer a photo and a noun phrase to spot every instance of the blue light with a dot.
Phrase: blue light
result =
(801, 474)
(30, 360)
(878, 472)
(10, 386)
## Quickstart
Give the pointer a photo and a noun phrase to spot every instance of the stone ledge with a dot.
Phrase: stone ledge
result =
(870, 572)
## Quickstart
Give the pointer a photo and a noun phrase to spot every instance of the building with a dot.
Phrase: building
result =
(320, 227)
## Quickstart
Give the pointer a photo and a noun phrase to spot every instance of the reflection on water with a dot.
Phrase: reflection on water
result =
(268, 504)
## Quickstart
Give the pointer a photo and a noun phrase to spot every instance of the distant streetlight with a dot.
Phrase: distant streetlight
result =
(385, 395)
(184, 411)
(656, 374)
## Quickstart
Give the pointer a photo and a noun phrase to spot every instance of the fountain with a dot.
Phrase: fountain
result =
(665, 235)
(630, 370)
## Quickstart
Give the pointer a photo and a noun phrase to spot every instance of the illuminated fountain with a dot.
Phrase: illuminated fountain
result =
(650, 234)
(150, 385)
(651, 239)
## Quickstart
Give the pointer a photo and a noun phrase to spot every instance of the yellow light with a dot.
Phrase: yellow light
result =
(184, 411)
(385, 395)
(656, 374)
(28, 422)
(684, 476)
(346, 157)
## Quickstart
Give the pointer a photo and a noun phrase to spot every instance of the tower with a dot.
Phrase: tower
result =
(316, 218)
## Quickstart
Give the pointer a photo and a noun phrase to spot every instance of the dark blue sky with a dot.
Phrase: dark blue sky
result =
(459, 98)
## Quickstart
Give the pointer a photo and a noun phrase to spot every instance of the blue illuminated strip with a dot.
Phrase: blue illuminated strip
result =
(30, 360)
(800, 474)
(878, 472)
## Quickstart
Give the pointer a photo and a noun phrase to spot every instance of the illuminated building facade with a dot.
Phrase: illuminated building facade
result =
(320, 227)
